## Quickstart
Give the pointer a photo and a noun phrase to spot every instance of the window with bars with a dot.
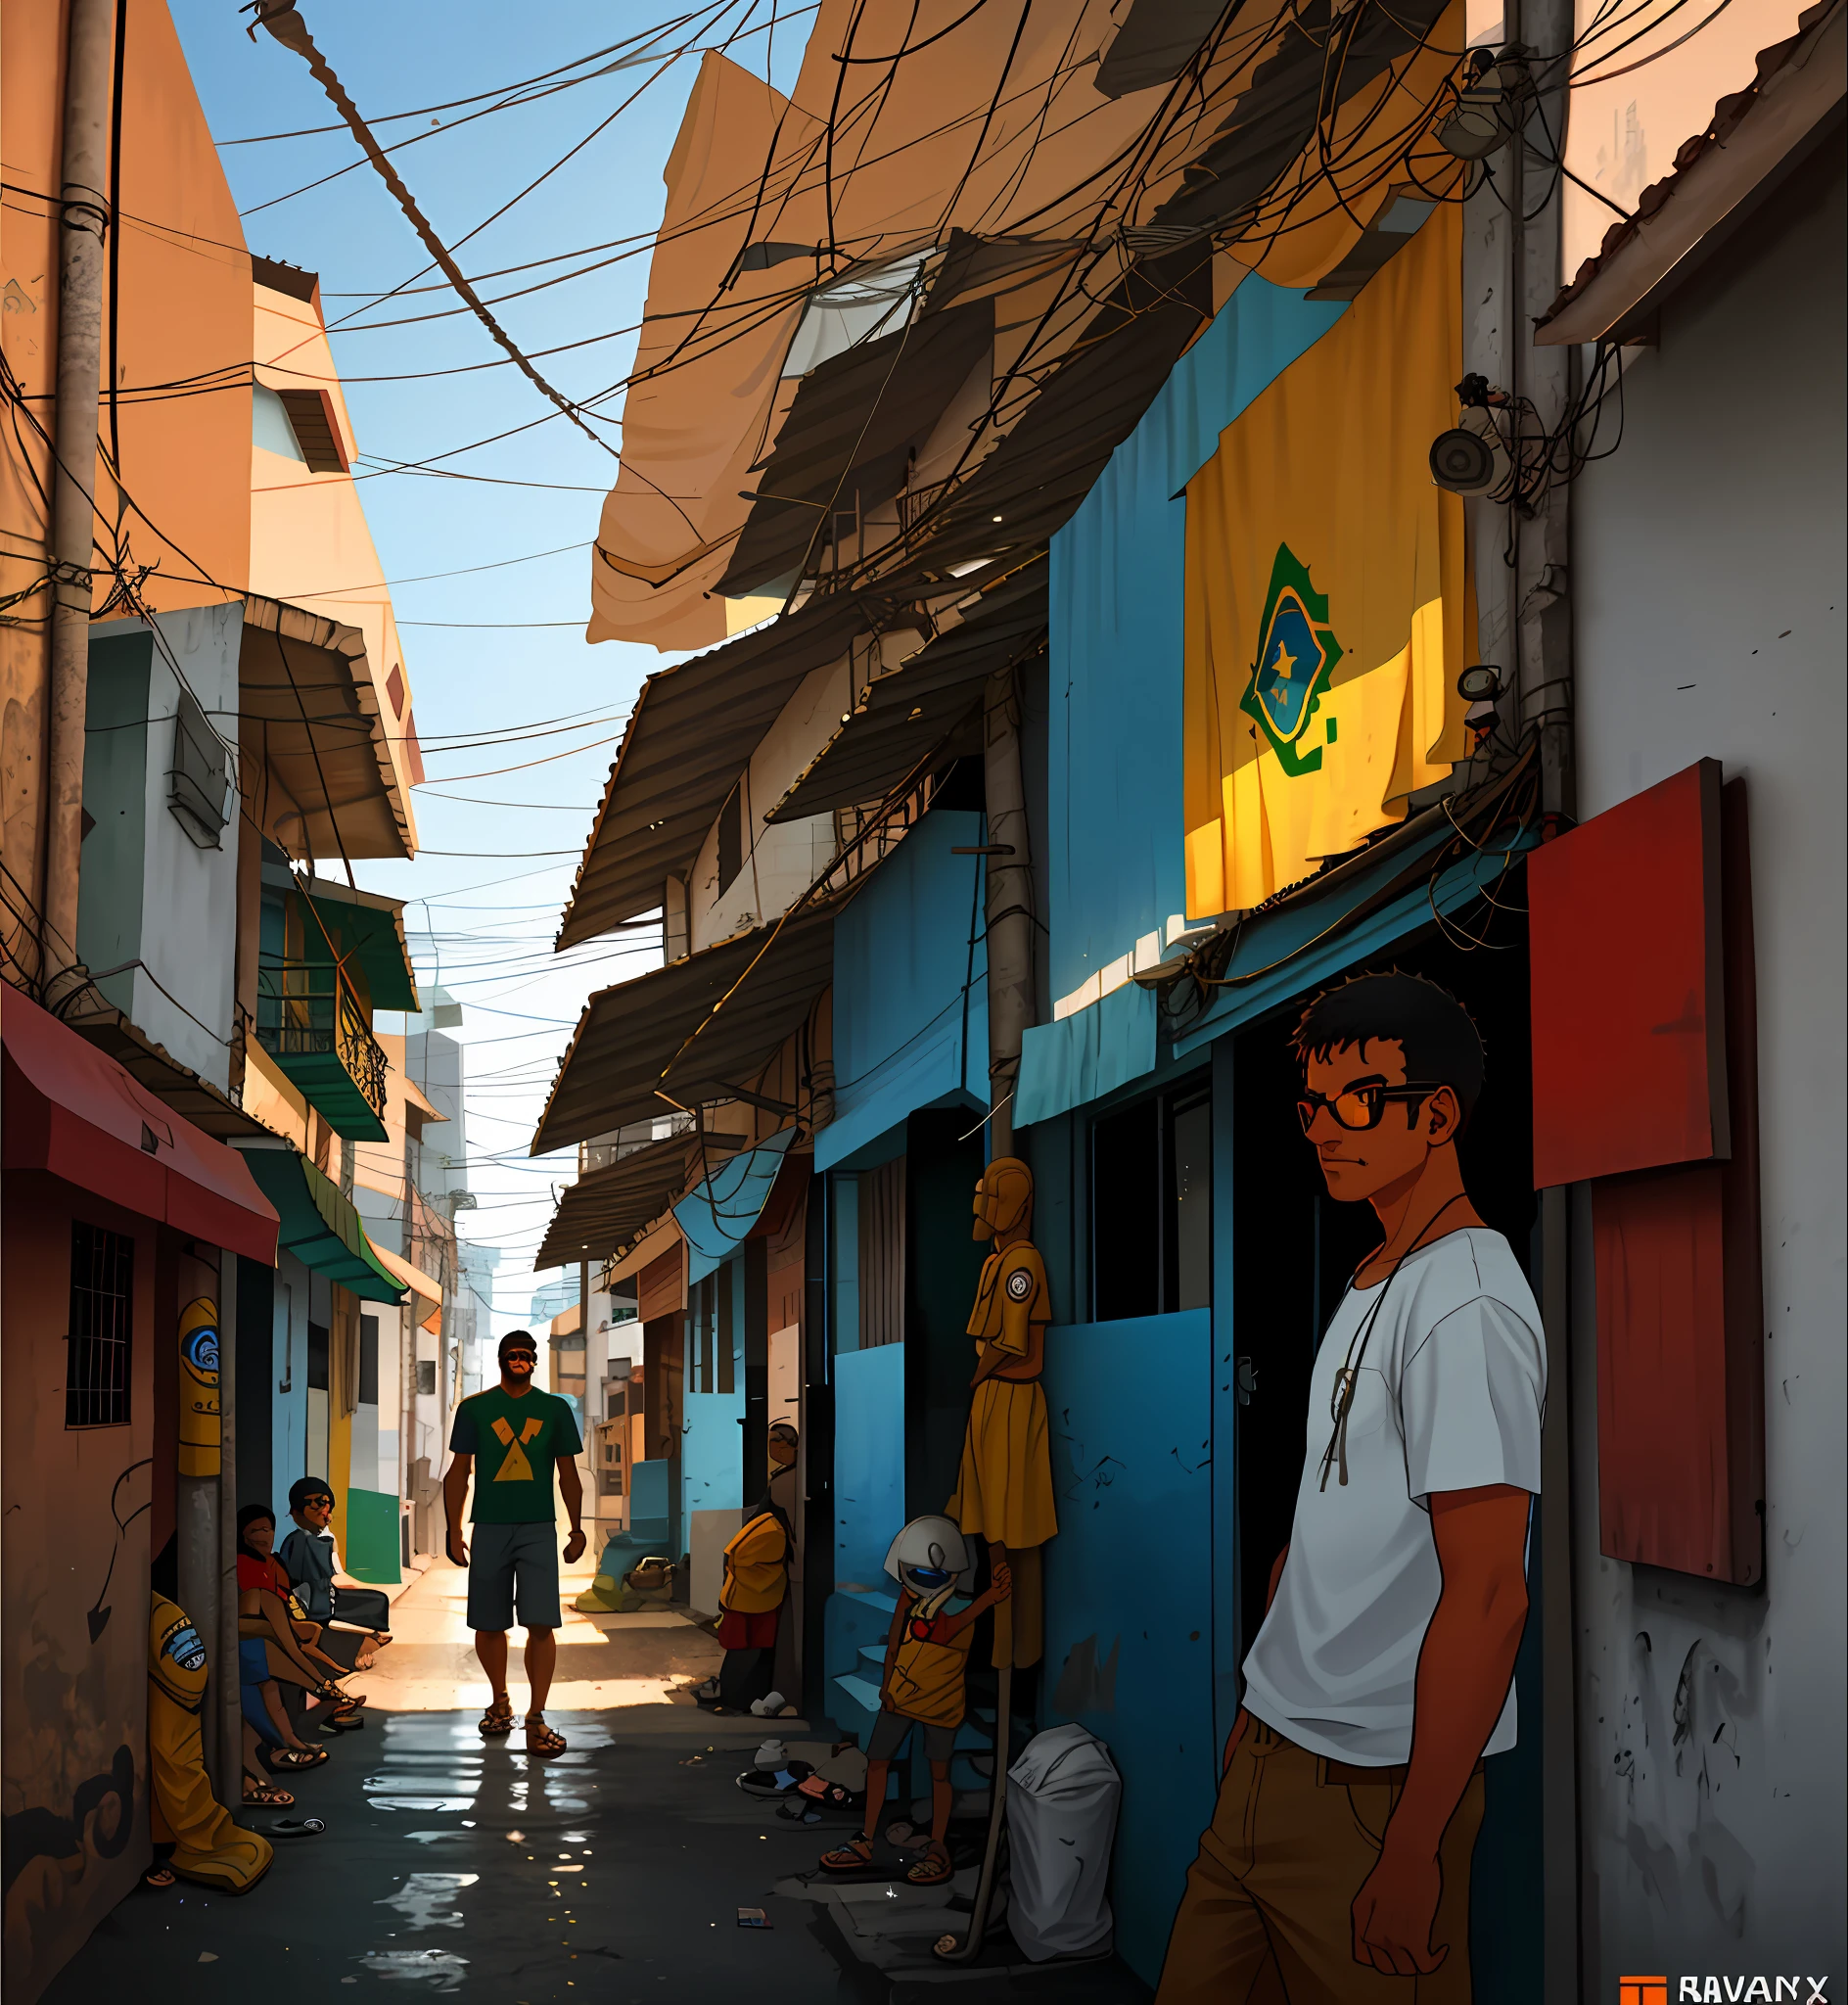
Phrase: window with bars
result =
(97, 1350)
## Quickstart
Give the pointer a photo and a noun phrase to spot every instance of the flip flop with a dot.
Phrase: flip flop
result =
(297, 1758)
(299, 1827)
(932, 1869)
(266, 1796)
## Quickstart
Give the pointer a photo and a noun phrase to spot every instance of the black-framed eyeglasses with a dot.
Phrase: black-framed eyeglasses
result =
(1359, 1108)
(531, 1357)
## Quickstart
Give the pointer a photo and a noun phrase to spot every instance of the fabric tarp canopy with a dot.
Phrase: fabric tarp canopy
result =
(602, 1212)
(1083, 1056)
(310, 717)
(845, 443)
(718, 1216)
(414, 1279)
(319, 1226)
(73, 1112)
(910, 1016)
(692, 731)
(705, 392)
(903, 717)
(681, 1030)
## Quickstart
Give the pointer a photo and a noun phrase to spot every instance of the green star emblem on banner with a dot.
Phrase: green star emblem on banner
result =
(1297, 653)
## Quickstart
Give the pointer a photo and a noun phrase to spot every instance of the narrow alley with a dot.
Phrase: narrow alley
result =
(450, 1861)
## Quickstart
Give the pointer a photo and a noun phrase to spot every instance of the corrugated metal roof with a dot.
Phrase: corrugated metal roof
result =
(854, 420)
(906, 717)
(603, 1211)
(696, 1028)
(1620, 240)
(692, 732)
(1290, 94)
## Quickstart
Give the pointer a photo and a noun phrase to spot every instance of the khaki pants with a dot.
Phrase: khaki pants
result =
(1265, 1918)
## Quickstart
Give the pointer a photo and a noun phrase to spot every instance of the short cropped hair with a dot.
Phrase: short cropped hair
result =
(523, 1338)
(1437, 1034)
(305, 1487)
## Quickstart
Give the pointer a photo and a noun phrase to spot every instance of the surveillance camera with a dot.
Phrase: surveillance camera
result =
(1463, 461)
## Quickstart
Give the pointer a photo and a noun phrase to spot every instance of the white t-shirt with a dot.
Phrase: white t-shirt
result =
(1448, 1396)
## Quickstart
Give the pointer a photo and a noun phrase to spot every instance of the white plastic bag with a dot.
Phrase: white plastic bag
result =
(1062, 1798)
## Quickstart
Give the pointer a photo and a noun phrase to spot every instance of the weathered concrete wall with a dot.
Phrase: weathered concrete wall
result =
(1708, 580)
(74, 1598)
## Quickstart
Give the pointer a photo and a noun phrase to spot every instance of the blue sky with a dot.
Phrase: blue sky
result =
(493, 913)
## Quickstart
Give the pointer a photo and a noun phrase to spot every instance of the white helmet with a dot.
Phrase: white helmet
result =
(932, 1547)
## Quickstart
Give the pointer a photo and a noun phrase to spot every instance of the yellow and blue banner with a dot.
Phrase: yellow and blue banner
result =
(1325, 592)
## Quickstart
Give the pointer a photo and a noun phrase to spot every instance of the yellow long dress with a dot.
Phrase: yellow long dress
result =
(1004, 1487)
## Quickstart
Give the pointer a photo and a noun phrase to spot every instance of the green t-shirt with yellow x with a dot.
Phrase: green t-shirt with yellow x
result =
(515, 1443)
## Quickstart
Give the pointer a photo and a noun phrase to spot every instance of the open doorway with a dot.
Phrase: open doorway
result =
(1294, 1249)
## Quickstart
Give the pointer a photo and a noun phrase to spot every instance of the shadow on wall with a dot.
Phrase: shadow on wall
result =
(1129, 1593)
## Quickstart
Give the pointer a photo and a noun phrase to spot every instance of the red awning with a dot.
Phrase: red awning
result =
(77, 1113)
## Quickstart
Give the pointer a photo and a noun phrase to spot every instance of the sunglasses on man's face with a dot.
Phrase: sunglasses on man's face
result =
(531, 1357)
(1360, 1107)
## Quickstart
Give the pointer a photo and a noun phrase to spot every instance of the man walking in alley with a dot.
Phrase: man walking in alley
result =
(511, 1436)
(1336, 1866)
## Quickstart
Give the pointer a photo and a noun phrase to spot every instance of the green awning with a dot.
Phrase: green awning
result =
(319, 1226)
(369, 927)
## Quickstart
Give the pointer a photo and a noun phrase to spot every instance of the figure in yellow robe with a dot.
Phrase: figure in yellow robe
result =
(208, 1846)
(1004, 1489)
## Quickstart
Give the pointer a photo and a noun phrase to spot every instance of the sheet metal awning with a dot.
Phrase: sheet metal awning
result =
(695, 1030)
(211, 1111)
(904, 717)
(371, 928)
(845, 443)
(1035, 478)
(691, 734)
(323, 781)
(1278, 113)
(76, 1113)
(600, 1215)
(319, 1226)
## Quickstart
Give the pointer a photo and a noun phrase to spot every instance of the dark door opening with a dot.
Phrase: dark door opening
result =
(942, 1266)
(1295, 1247)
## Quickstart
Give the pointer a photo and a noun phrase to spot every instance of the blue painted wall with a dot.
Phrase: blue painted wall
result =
(868, 1461)
(1129, 1575)
(1118, 590)
(910, 991)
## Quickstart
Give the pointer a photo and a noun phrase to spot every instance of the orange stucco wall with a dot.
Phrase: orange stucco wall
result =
(73, 1679)
(310, 543)
(182, 340)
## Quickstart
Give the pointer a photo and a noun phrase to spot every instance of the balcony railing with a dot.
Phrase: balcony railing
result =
(311, 1022)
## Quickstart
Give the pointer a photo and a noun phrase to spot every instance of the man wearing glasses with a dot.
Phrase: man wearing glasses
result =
(511, 1436)
(1336, 1866)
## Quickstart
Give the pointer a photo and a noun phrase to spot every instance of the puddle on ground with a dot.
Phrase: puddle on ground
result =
(431, 1836)
(427, 1900)
(441, 1968)
(436, 1805)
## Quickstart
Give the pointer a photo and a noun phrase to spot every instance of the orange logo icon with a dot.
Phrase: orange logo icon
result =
(1643, 1991)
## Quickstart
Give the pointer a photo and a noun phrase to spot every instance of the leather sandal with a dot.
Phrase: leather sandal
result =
(855, 1856)
(498, 1718)
(542, 1740)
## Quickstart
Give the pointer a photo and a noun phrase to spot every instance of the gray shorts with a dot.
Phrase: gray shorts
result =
(891, 1731)
(506, 1561)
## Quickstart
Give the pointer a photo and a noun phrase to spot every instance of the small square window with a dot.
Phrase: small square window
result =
(98, 1349)
(426, 1374)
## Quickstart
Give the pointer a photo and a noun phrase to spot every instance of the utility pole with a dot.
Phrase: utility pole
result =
(1009, 903)
(90, 41)
(1511, 272)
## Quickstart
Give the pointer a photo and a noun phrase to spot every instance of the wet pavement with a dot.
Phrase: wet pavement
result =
(452, 1866)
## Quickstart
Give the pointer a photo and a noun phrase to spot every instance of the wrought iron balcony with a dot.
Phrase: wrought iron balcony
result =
(311, 1024)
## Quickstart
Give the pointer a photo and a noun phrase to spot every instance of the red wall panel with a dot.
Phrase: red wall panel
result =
(1629, 1020)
